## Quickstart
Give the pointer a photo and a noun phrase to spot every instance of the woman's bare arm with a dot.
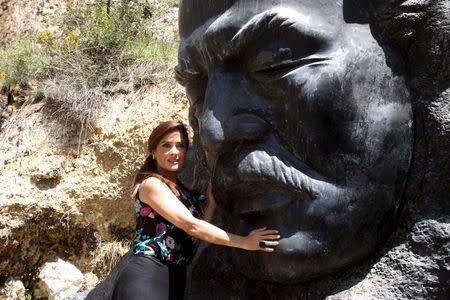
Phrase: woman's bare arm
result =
(160, 198)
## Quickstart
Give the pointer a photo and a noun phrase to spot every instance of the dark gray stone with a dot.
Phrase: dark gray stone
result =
(304, 128)
(322, 119)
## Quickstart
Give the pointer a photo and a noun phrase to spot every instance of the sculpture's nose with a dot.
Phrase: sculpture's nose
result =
(229, 117)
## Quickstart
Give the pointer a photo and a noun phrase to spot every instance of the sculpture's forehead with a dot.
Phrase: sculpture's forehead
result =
(195, 13)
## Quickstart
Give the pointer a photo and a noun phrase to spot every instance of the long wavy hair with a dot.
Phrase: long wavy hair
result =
(150, 168)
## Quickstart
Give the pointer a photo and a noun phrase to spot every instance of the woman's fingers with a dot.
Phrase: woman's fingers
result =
(269, 246)
(264, 231)
(271, 237)
(268, 232)
(268, 249)
(265, 239)
(271, 243)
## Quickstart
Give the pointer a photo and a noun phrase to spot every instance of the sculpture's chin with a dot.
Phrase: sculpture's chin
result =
(283, 268)
(302, 256)
(295, 259)
(336, 229)
(277, 269)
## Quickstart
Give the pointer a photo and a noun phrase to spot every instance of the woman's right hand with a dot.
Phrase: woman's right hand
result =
(210, 196)
(267, 236)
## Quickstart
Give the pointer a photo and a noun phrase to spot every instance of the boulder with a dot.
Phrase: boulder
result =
(57, 280)
(12, 290)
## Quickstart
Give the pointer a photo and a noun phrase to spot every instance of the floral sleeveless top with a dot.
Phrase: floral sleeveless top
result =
(158, 237)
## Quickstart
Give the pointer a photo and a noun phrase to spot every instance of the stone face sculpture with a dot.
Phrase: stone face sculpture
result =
(311, 106)
(302, 126)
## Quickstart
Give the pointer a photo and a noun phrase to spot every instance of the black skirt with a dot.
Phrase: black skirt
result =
(145, 277)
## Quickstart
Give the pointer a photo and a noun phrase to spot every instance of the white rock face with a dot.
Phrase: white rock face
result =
(60, 194)
(58, 280)
(56, 201)
(13, 290)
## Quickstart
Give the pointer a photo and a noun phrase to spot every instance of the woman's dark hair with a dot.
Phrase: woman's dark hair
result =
(149, 168)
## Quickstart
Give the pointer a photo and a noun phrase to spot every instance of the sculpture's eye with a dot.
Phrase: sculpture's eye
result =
(277, 58)
(282, 68)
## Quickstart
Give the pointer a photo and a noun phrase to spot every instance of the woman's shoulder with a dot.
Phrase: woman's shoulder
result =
(152, 183)
(159, 186)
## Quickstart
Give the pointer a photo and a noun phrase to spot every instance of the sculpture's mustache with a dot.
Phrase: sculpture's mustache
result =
(260, 166)
(267, 181)
(280, 169)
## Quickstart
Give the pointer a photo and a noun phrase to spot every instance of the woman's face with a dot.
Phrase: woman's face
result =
(170, 153)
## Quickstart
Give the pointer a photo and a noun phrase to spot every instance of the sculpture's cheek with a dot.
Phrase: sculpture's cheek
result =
(310, 109)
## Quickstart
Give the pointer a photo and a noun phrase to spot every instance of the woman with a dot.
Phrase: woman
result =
(170, 219)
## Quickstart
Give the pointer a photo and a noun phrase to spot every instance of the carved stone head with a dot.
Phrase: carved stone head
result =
(303, 126)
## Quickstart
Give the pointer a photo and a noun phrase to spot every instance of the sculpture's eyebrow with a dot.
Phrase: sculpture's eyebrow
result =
(221, 38)
(278, 21)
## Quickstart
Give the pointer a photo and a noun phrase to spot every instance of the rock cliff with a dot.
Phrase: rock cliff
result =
(63, 195)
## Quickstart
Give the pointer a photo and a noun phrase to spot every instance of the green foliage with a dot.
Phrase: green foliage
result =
(95, 47)
(152, 50)
(38, 95)
(28, 291)
(23, 62)
(92, 35)
(100, 32)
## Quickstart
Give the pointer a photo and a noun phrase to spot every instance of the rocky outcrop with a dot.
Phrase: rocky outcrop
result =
(12, 290)
(57, 280)
(62, 199)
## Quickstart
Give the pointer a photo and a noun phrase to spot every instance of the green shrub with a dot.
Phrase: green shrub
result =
(105, 36)
(97, 51)
(23, 62)
(100, 32)
(152, 50)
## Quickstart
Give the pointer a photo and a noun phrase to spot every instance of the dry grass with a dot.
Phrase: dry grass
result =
(108, 254)
(96, 56)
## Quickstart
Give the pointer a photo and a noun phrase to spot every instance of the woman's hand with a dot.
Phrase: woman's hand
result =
(261, 239)
(210, 196)
(210, 204)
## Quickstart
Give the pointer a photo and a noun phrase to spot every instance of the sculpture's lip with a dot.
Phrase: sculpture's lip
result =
(261, 205)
